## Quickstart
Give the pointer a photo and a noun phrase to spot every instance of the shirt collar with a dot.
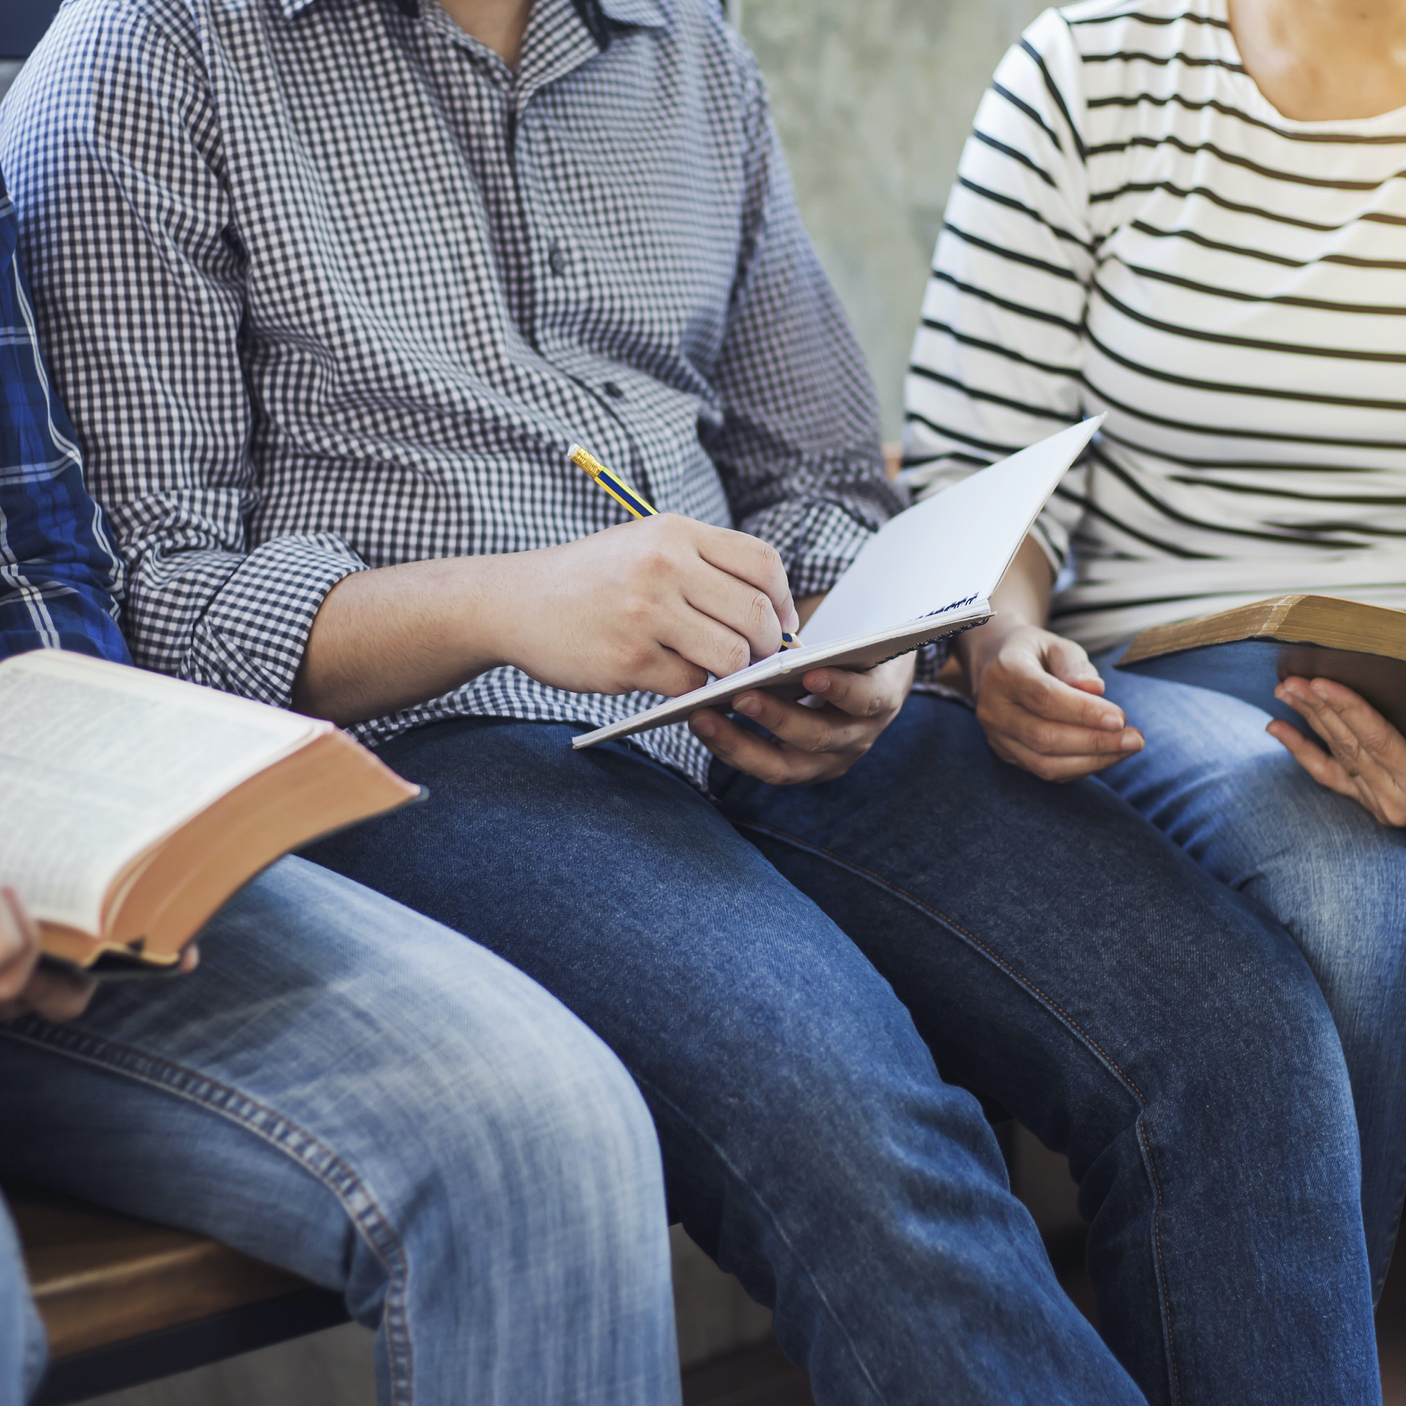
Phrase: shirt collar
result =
(644, 14)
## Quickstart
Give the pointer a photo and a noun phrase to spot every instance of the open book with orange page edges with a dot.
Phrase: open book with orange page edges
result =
(1245, 652)
(133, 805)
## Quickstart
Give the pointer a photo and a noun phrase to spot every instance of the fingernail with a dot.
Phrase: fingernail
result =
(704, 727)
(1320, 689)
(750, 706)
(1113, 724)
(1132, 741)
(822, 684)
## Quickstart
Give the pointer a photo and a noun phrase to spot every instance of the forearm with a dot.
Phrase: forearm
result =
(399, 635)
(652, 606)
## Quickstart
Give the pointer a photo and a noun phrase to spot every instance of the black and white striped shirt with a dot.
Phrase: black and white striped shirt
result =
(1136, 230)
(325, 286)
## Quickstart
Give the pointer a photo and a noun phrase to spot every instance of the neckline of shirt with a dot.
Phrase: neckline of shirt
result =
(1248, 91)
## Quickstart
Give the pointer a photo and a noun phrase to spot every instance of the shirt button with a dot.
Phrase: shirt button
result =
(556, 257)
(613, 391)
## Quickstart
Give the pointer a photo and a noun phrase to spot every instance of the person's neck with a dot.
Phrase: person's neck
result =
(1324, 60)
(497, 24)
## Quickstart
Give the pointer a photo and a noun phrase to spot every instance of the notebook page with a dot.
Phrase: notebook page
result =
(98, 761)
(950, 549)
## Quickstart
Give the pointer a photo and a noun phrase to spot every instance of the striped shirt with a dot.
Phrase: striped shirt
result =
(59, 577)
(1135, 230)
(326, 285)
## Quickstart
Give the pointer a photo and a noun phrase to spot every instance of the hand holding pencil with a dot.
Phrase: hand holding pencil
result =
(637, 506)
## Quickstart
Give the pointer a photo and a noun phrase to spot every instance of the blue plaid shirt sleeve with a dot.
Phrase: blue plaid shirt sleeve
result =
(60, 579)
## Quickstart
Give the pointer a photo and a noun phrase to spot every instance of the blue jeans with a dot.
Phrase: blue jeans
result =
(786, 973)
(350, 1091)
(1233, 799)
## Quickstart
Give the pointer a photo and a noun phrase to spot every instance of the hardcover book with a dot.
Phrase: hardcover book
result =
(132, 805)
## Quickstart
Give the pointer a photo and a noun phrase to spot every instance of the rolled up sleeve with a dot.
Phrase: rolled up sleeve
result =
(129, 164)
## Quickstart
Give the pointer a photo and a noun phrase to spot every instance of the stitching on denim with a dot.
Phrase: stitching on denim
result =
(1163, 1288)
(277, 1130)
(770, 1215)
(1392, 1236)
(1050, 1004)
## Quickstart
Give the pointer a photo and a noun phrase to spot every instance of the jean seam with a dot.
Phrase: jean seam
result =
(274, 1128)
(1050, 1004)
(1392, 1236)
(656, 1093)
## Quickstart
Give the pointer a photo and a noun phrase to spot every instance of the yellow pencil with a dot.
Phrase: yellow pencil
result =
(635, 504)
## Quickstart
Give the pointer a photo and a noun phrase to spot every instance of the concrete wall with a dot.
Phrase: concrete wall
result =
(874, 99)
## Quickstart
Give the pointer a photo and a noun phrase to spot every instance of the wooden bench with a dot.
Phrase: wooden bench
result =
(125, 1302)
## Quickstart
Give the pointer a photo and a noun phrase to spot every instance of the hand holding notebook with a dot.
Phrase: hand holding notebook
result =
(927, 574)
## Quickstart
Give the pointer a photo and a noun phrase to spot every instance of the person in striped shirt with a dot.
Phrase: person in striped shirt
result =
(1191, 215)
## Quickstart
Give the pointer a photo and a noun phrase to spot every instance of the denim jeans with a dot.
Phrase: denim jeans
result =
(786, 972)
(352, 1092)
(21, 1333)
(1238, 803)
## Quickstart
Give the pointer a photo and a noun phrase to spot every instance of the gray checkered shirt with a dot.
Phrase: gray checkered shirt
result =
(326, 286)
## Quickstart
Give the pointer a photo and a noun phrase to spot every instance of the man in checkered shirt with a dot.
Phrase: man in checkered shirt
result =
(330, 286)
(287, 1098)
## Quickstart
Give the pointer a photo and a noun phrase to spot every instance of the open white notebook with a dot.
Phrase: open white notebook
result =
(926, 574)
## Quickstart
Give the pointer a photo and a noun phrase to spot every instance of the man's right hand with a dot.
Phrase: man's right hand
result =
(24, 985)
(1038, 699)
(655, 605)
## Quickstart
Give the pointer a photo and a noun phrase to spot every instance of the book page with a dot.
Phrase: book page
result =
(99, 761)
(950, 550)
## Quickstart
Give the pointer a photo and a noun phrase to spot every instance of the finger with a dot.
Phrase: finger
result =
(808, 729)
(1308, 709)
(653, 668)
(1053, 768)
(190, 959)
(1371, 751)
(750, 559)
(1344, 743)
(1320, 765)
(1377, 736)
(19, 945)
(58, 996)
(1048, 738)
(737, 606)
(1070, 663)
(767, 761)
(862, 695)
(1024, 680)
(703, 641)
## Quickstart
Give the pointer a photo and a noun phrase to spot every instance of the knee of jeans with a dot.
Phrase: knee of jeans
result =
(1343, 899)
(1263, 1071)
(822, 1113)
(563, 1121)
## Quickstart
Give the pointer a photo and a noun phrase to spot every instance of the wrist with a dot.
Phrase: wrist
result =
(976, 648)
(481, 622)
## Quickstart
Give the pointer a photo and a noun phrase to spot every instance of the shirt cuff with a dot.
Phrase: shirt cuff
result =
(251, 639)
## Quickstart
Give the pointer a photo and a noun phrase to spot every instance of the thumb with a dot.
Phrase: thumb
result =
(1069, 663)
